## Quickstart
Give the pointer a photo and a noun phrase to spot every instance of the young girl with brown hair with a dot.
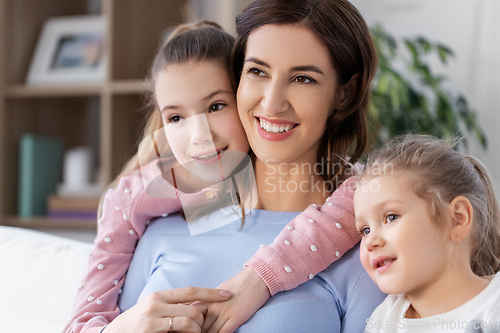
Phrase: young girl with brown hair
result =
(127, 207)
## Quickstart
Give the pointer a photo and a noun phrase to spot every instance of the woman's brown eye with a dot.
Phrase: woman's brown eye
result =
(255, 71)
(304, 79)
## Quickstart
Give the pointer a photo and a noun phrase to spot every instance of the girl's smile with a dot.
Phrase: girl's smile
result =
(207, 158)
(382, 263)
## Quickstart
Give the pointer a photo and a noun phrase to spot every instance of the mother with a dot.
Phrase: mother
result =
(305, 66)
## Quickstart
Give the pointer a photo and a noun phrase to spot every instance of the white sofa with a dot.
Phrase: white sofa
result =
(39, 277)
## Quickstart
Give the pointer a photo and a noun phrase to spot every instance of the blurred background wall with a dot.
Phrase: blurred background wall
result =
(472, 30)
(221, 11)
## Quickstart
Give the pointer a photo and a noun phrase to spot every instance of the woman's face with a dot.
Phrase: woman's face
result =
(201, 123)
(287, 91)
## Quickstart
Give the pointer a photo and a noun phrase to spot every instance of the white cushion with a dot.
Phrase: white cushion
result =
(40, 275)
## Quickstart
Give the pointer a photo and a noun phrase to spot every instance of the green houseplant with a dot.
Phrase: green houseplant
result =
(407, 97)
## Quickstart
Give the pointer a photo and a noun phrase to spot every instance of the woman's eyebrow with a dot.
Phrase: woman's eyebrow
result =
(257, 61)
(306, 68)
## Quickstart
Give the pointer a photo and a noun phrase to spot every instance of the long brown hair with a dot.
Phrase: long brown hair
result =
(343, 30)
(439, 174)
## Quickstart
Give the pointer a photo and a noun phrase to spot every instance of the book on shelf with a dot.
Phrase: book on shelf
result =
(72, 208)
(40, 169)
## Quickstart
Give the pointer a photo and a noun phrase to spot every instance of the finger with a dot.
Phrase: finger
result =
(220, 323)
(180, 324)
(201, 306)
(190, 294)
(216, 325)
(210, 318)
(181, 310)
(229, 326)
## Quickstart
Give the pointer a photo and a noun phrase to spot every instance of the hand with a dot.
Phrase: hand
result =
(152, 314)
(248, 294)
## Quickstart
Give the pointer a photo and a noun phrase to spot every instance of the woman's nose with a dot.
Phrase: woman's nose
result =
(199, 130)
(275, 99)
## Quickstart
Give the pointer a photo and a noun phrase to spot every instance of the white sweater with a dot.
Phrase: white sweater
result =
(480, 314)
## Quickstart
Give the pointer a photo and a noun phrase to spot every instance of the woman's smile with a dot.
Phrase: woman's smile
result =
(275, 130)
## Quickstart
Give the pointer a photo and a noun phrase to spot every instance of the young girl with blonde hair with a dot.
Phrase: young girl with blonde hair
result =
(430, 227)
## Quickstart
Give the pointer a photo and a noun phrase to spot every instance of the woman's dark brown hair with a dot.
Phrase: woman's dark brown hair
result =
(343, 30)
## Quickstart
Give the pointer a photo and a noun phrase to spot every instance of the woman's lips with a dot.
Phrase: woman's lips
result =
(276, 129)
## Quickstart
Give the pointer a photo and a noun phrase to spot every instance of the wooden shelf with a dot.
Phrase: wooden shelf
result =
(107, 116)
(128, 87)
(44, 222)
(117, 87)
(23, 91)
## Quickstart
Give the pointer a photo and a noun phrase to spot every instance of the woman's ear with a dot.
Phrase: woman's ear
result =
(462, 215)
(348, 91)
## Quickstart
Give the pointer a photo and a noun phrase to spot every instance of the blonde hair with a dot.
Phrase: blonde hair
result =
(438, 174)
(204, 40)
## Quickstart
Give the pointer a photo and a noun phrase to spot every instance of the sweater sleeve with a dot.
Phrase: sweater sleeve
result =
(309, 243)
(125, 214)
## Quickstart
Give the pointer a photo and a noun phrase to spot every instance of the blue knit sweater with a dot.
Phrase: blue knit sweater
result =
(339, 299)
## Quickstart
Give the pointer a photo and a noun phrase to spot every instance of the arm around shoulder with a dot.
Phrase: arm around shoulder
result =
(126, 211)
(309, 243)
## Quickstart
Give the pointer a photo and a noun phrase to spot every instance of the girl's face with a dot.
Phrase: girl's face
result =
(287, 91)
(402, 248)
(198, 109)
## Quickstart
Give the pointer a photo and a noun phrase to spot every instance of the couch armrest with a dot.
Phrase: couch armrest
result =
(40, 275)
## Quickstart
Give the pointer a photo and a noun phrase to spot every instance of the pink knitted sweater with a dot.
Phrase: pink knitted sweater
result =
(289, 261)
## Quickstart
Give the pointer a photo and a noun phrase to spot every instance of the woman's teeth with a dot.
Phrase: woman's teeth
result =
(274, 128)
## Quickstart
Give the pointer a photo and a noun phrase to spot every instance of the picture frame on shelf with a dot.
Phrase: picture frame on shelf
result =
(70, 50)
